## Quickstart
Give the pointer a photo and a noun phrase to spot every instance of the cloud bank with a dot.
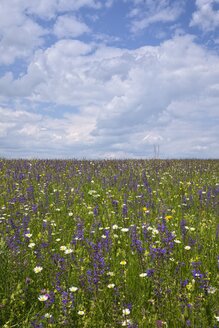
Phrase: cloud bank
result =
(83, 98)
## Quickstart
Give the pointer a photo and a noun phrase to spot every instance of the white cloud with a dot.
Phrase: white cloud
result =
(69, 26)
(50, 8)
(121, 96)
(69, 5)
(148, 12)
(23, 132)
(205, 16)
(19, 35)
(164, 16)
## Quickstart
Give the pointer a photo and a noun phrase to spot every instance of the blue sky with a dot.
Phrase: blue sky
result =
(109, 79)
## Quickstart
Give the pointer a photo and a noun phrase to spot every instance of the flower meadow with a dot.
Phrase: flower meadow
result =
(111, 243)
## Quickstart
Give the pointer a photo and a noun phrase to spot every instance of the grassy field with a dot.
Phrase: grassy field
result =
(99, 244)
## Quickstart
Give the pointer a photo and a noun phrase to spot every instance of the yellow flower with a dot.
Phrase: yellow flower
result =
(123, 262)
(146, 253)
(168, 217)
(189, 286)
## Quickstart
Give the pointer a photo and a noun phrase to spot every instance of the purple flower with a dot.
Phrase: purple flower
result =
(150, 272)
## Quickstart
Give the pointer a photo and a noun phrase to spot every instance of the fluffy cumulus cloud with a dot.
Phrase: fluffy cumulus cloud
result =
(206, 16)
(127, 100)
(21, 33)
(69, 26)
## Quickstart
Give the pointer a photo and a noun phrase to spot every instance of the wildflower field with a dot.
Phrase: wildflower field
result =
(111, 243)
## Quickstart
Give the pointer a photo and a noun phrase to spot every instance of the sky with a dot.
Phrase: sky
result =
(95, 79)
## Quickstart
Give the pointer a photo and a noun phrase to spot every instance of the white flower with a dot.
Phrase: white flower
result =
(110, 273)
(111, 285)
(28, 235)
(126, 312)
(91, 192)
(127, 322)
(37, 269)
(187, 248)
(211, 290)
(63, 248)
(115, 226)
(73, 289)
(68, 251)
(31, 245)
(43, 298)
(70, 214)
(142, 275)
(58, 239)
(177, 241)
(125, 229)
(48, 315)
(103, 236)
(81, 312)
(217, 318)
